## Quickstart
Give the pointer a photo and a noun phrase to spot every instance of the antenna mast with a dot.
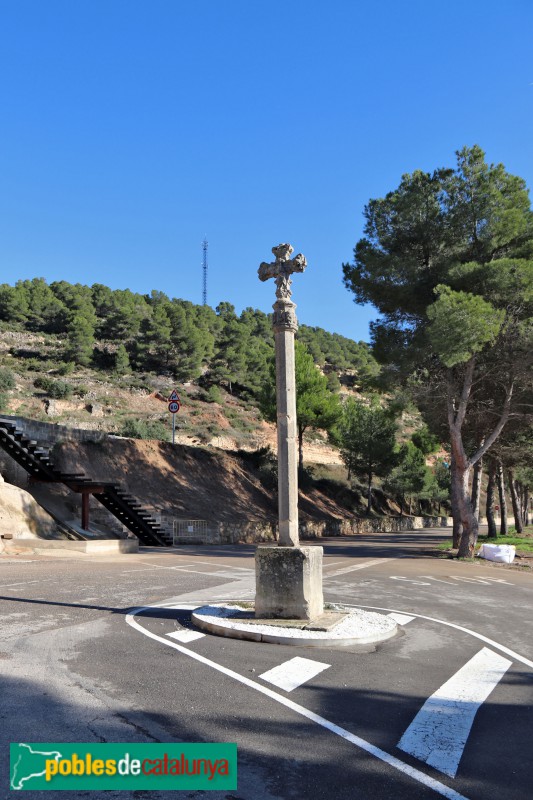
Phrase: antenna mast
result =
(204, 266)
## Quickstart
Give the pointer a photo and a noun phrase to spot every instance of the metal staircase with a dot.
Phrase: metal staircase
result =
(37, 463)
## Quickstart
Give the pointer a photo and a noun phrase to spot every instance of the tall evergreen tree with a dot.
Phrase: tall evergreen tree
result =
(155, 344)
(229, 361)
(122, 360)
(45, 311)
(80, 338)
(367, 438)
(410, 477)
(13, 303)
(317, 407)
(442, 259)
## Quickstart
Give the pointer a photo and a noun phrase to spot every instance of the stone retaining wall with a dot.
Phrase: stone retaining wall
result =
(47, 433)
(254, 532)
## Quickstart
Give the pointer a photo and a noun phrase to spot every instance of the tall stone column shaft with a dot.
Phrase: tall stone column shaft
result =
(288, 577)
(286, 423)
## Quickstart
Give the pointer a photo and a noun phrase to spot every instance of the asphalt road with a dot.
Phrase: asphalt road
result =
(444, 709)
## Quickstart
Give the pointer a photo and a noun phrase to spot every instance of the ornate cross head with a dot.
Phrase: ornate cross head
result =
(284, 265)
(282, 268)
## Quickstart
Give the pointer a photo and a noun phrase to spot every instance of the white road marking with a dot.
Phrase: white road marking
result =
(401, 619)
(366, 564)
(230, 566)
(194, 564)
(216, 573)
(460, 578)
(439, 732)
(512, 653)
(139, 569)
(152, 567)
(25, 583)
(331, 564)
(293, 673)
(408, 580)
(362, 744)
(186, 636)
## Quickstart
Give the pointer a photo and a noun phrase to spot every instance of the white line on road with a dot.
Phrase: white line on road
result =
(215, 573)
(194, 564)
(230, 566)
(512, 653)
(439, 732)
(25, 583)
(401, 619)
(293, 673)
(151, 567)
(362, 744)
(186, 636)
(366, 564)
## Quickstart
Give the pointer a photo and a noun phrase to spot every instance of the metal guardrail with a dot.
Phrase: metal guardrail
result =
(193, 531)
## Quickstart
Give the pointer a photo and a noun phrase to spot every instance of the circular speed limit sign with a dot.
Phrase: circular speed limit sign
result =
(174, 407)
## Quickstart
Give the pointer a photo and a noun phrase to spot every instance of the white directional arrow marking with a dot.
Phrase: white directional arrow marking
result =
(438, 733)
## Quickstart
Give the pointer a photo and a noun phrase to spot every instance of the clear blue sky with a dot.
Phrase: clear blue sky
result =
(131, 128)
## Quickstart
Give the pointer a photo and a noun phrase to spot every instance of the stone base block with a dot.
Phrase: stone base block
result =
(288, 582)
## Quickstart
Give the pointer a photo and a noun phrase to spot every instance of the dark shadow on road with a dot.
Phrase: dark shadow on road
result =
(281, 756)
(157, 613)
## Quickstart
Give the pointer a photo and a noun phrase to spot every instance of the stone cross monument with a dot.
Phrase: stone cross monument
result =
(285, 326)
(288, 577)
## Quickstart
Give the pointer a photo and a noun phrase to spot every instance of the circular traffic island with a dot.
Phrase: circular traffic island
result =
(336, 627)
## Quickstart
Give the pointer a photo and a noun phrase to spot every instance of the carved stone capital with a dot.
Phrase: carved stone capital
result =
(284, 317)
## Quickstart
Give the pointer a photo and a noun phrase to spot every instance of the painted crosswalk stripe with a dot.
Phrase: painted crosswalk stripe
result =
(401, 619)
(439, 732)
(186, 636)
(293, 673)
(355, 567)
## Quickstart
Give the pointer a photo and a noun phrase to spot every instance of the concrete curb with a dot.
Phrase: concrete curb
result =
(96, 547)
(280, 635)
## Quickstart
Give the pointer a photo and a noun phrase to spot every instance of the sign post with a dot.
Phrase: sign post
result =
(173, 407)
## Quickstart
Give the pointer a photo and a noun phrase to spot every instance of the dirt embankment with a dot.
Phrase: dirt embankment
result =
(188, 482)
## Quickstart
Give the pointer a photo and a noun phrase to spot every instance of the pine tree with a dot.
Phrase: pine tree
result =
(122, 361)
(367, 438)
(80, 339)
(317, 407)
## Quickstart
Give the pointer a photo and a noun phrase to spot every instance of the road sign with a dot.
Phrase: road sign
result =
(174, 396)
(173, 407)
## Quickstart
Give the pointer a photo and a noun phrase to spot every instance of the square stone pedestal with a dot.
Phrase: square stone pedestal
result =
(288, 582)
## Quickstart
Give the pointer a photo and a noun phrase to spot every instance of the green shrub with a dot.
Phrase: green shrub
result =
(141, 429)
(66, 369)
(59, 390)
(213, 394)
(7, 380)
